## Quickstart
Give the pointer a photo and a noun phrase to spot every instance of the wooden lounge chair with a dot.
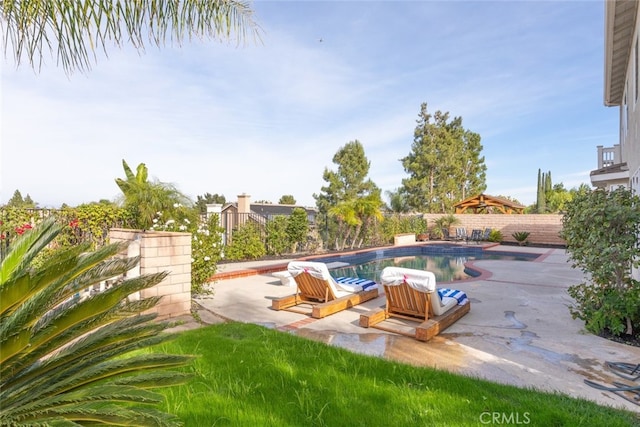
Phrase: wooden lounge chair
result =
(412, 295)
(317, 288)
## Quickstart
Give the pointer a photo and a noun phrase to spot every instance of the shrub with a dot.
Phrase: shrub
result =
(246, 244)
(601, 230)
(277, 237)
(521, 237)
(495, 236)
(398, 224)
(206, 252)
(297, 228)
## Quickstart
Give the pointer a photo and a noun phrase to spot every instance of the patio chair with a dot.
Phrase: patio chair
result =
(476, 236)
(486, 234)
(461, 233)
(445, 234)
(316, 287)
(412, 295)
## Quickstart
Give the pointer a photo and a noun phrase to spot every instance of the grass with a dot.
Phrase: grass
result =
(249, 375)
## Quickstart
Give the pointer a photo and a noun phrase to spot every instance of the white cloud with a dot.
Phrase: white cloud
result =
(267, 119)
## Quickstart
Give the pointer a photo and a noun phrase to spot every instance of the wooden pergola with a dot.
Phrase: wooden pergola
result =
(484, 203)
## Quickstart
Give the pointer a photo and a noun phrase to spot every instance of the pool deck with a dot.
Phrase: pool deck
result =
(519, 330)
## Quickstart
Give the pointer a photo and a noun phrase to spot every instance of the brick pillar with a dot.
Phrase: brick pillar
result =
(163, 251)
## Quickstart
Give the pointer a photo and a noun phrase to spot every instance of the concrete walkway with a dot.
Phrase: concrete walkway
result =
(519, 330)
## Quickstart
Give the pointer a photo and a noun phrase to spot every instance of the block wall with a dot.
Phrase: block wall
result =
(162, 251)
(544, 228)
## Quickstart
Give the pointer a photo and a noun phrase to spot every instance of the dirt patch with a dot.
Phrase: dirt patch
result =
(633, 340)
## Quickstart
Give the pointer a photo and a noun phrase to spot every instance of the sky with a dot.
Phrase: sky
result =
(266, 117)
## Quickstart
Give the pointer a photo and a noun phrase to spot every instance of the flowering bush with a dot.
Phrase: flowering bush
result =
(206, 243)
(206, 252)
(181, 219)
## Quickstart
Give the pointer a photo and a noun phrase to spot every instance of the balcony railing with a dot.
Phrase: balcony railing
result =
(609, 156)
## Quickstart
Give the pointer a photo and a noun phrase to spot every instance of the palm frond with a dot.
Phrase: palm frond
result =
(96, 414)
(118, 337)
(69, 363)
(26, 247)
(90, 308)
(106, 393)
(75, 29)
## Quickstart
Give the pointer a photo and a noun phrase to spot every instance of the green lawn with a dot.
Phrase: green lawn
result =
(248, 375)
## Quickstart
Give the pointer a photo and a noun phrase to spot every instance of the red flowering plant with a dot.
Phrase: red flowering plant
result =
(13, 223)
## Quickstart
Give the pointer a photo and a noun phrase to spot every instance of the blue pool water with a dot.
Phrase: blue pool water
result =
(445, 261)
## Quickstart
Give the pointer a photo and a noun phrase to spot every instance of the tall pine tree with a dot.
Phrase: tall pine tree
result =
(444, 165)
(545, 188)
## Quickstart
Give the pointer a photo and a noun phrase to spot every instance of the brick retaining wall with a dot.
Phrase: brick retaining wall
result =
(544, 228)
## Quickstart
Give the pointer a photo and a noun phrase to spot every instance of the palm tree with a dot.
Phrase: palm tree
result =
(65, 360)
(346, 215)
(368, 210)
(144, 198)
(73, 30)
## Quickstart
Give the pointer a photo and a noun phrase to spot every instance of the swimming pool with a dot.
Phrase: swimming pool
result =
(447, 262)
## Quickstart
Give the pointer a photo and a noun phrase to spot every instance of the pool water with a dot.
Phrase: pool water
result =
(447, 262)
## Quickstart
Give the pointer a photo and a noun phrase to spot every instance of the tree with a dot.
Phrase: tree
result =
(73, 30)
(545, 188)
(444, 164)
(348, 191)
(397, 201)
(540, 201)
(144, 198)
(474, 171)
(207, 199)
(28, 202)
(297, 227)
(558, 197)
(277, 239)
(601, 230)
(287, 199)
(16, 201)
(68, 361)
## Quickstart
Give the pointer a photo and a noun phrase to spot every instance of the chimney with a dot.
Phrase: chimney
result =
(244, 203)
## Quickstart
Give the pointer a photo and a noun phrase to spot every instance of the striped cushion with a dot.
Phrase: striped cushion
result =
(460, 296)
(355, 281)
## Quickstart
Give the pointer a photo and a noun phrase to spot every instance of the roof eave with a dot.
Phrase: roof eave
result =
(620, 17)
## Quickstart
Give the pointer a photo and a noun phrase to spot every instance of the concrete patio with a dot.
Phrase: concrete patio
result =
(519, 330)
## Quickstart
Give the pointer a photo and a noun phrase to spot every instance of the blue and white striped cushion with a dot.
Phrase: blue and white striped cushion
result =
(363, 283)
(453, 293)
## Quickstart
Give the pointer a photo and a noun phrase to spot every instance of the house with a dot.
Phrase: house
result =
(237, 213)
(620, 164)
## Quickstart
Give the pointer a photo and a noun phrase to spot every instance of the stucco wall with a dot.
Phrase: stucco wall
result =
(544, 229)
(162, 251)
